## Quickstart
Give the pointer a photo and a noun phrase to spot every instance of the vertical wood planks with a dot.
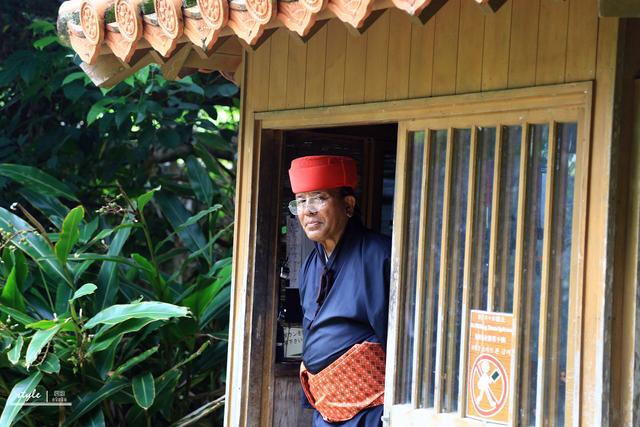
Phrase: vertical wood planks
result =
(524, 43)
(468, 248)
(629, 367)
(287, 391)
(555, 303)
(445, 53)
(495, 205)
(259, 78)
(235, 364)
(582, 40)
(552, 42)
(518, 301)
(396, 300)
(314, 76)
(355, 68)
(594, 374)
(470, 45)
(455, 259)
(334, 68)
(278, 69)
(296, 72)
(547, 258)
(399, 55)
(443, 293)
(375, 84)
(497, 35)
(421, 61)
(422, 285)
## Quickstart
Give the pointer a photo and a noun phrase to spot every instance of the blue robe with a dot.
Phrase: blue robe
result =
(355, 309)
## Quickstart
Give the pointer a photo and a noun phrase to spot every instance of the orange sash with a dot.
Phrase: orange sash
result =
(350, 384)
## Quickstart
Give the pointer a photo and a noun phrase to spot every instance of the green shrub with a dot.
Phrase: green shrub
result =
(130, 337)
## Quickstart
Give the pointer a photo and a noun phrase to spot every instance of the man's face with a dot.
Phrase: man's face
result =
(330, 219)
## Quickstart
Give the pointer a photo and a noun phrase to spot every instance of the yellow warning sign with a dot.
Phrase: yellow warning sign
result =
(489, 366)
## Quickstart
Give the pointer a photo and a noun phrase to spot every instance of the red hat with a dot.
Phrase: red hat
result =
(319, 172)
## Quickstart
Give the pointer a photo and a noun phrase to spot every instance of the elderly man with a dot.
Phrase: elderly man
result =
(344, 287)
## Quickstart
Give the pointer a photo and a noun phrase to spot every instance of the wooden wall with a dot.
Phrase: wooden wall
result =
(460, 50)
(625, 313)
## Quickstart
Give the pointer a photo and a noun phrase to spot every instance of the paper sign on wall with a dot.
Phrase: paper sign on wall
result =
(489, 367)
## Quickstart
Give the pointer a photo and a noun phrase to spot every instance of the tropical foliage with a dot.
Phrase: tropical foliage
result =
(116, 215)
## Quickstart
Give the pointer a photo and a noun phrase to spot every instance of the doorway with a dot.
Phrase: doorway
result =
(374, 149)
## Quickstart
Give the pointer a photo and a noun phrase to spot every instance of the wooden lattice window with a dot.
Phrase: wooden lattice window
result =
(489, 216)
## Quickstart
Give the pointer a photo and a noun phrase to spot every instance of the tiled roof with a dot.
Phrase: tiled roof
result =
(115, 38)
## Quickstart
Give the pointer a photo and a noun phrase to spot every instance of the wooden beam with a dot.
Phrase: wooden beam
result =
(108, 71)
(172, 67)
(490, 6)
(218, 61)
(429, 11)
(619, 8)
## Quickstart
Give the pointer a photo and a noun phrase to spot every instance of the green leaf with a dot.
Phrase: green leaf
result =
(104, 360)
(44, 42)
(197, 217)
(106, 258)
(41, 26)
(51, 364)
(22, 269)
(92, 399)
(96, 419)
(79, 270)
(15, 402)
(165, 385)
(226, 90)
(36, 180)
(144, 263)
(35, 246)
(177, 214)
(143, 75)
(136, 360)
(123, 114)
(67, 324)
(7, 261)
(14, 354)
(11, 295)
(216, 308)
(146, 198)
(63, 295)
(144, 390)
(95, 111)
(199, 179)
(151, 274)
(38, 341)
(86, 289)
(102, 106)
(87, 230)
(199, 299)
(16, 315)
(107, 335)
(70, 233)
(149, 309)
(50, 206)
(78, 75)
(74, 91)
(107, 280)
(103, 234)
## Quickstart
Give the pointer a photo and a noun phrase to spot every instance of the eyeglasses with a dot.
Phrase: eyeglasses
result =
(313, 203)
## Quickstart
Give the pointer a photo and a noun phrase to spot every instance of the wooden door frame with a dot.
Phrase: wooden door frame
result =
(241, 408)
